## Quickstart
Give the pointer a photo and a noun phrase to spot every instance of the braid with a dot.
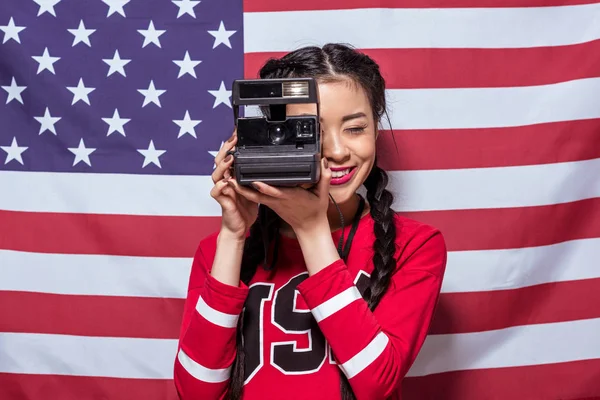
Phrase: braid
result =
(384, 246)
(381, 201)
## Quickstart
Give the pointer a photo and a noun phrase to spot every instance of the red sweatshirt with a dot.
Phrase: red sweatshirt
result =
(299, 331)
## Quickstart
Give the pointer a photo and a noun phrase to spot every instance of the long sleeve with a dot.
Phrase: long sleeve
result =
(376, 349)
(207, 342)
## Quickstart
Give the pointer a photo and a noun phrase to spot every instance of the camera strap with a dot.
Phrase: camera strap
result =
(344, 253)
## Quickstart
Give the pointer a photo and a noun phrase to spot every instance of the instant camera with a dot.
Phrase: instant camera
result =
(276, 148)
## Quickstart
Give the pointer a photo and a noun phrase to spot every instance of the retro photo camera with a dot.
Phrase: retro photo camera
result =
(276, 148)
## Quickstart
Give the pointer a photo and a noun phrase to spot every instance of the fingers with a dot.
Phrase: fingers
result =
(228, 145)
(252, 195)
(222, 169)
(223, 194)
(269, 190)
(322, 188)
(217, 189)
(223, 160)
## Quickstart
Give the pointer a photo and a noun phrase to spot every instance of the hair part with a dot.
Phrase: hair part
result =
(331, 63)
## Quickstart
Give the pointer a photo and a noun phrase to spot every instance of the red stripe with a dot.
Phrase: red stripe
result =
(492, 147)
(546, 303)
(115, 316)
(463, 68)
(577, 380)
(160, 318)
(477, 229)
(158, 236)
(64, 387)
(311, 5)
(506, 228)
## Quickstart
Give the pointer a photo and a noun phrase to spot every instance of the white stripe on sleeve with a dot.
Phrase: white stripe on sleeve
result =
(336, 303)
(215, 316)
(202, 373)
(366, 356)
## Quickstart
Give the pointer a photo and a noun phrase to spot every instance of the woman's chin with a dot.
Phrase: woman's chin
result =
(341, 195)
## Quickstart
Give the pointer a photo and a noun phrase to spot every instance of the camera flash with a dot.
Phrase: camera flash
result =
(295, 89)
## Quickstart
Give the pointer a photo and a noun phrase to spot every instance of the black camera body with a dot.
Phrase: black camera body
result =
(276, 148)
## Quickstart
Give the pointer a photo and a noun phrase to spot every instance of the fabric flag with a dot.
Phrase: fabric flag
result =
(111, 112)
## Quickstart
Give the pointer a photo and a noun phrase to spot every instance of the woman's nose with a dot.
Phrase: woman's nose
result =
(334, 147)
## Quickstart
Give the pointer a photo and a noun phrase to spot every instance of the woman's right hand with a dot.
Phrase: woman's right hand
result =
(238, 213)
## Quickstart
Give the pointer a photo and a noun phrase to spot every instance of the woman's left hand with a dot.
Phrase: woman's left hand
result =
(301, 208)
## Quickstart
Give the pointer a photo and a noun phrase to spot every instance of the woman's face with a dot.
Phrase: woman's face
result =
(348, 134)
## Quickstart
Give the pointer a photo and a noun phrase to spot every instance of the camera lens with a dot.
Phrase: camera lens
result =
(277, 133)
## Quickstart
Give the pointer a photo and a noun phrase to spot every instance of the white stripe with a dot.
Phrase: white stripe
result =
(415, 190)
(510, 347)
(523, 186)
(423, 28)
(29, 353)
(107, 193)
(472, 271)
(493, 107)
(168, 277)
(154, 358)
(202, 373)
(336, 303)
(366, 356)
(215, 316)
(99, 275)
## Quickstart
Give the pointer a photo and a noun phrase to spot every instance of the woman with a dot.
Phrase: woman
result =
(287, 313)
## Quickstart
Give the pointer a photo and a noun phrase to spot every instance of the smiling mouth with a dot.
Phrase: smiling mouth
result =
(342, 176)
(341, 173)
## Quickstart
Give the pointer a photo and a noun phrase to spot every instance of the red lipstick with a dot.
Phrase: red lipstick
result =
(343, 179)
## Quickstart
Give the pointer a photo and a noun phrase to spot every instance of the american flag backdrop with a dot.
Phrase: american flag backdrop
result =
(111, 112)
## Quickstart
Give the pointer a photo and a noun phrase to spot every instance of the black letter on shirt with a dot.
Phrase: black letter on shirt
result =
(286, 356)
(253, 319)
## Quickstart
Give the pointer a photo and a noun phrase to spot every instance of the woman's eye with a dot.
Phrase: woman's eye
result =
(356, 130)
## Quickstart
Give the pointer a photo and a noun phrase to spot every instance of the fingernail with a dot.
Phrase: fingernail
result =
(228, 158)
(231, 139)
(326, 163)
(254, 186)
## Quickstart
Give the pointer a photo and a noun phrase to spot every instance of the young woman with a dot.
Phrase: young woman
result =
(284, 312)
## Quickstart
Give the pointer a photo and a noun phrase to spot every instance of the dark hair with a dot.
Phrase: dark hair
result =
(332, 62)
